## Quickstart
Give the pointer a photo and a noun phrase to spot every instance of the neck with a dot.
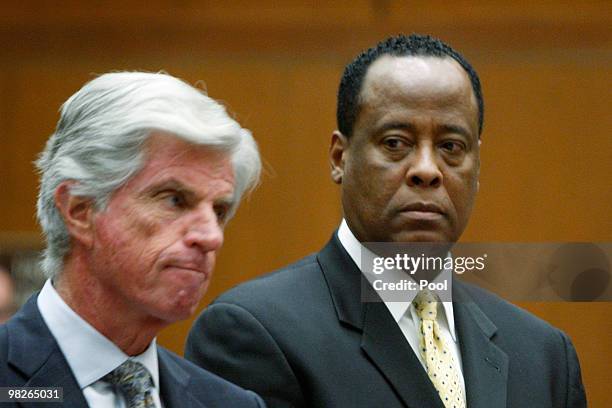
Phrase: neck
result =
(112, 316)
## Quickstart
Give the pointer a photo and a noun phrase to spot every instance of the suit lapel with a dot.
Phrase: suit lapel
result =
(34, 352)
(382, 340)
(174, 383)
(395, 358)
(53, 373)
(485, 366)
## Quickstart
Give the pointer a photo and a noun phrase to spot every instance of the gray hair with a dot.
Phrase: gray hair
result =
(100, 137)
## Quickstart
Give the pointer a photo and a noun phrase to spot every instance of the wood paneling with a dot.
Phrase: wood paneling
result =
(545, 68)
(545, 155)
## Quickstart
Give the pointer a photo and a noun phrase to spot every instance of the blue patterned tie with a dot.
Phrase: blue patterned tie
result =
(134, 382)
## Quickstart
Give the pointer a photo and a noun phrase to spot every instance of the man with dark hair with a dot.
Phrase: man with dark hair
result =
(414, 45)
(407, 157)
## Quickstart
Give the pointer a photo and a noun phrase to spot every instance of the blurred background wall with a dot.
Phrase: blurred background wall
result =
(546, 156)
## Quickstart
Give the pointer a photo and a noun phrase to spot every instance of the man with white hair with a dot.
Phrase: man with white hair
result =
(137, 183)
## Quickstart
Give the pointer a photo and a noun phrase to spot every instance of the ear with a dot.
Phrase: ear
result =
(337, 152)
(77, 213)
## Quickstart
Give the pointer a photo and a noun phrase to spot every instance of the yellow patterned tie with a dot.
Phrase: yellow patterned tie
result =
(441, 366)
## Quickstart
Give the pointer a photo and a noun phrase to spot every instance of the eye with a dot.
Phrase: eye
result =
(221, 211)
(452, 146)
(174, 199)
(394, 143)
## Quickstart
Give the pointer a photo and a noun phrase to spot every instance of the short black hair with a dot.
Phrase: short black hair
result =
(351, 83)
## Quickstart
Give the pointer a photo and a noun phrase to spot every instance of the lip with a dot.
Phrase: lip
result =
(189, 268)
(423, 207)
(422, 211)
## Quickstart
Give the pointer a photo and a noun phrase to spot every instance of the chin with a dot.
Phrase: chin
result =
(177, 314)
(179, 306)
(420, 236)
(183, 314)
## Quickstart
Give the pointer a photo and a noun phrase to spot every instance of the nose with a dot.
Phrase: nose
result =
(204, 232)
(424, 171)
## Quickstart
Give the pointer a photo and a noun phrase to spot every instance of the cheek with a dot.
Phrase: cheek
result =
(128, 238)
(362, 192)
(115, 250)
(462, 188)
(372, 186)
(373, 176)
(140, 222)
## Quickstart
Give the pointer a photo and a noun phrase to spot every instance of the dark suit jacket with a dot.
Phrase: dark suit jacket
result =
(301, 337)
(30, 357)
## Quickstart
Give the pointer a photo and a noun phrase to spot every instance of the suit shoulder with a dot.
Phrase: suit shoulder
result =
(195, 371)
(207, 384)
(3, 353)
(507, 315)
(3, 340)
(279, 285)
(9, 374)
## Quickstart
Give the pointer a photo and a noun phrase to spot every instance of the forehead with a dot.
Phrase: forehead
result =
(423, 77)
(169, 156)
(165, 146)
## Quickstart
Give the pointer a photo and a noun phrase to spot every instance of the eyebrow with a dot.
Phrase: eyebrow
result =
(170, 183)
(446, 128)
(409, 127)
(397, 125)
(174, 184)
(455, 129)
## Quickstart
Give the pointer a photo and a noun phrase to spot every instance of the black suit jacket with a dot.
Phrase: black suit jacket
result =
(301, 337)
(30, 357)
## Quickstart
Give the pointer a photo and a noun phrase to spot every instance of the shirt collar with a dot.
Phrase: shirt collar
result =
(397, 309)
(89, 354)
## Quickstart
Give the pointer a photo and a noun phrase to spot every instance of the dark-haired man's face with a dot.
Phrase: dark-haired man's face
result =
(409, 172)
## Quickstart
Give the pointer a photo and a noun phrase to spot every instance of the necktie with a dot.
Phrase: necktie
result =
(441, 366)
(134, 382)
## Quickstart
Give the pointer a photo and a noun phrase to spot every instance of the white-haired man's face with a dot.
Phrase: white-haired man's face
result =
(153, 248)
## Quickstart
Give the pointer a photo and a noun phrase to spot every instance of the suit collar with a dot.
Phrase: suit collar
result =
(32, 350)
(175, 383)
(386, 346)
(344, 281)
(485, 366)
(35, 353)
(355, 250)
(382, 340)
(88, 352)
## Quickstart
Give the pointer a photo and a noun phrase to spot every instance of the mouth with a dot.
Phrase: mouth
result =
(196, 269)
(423, 211)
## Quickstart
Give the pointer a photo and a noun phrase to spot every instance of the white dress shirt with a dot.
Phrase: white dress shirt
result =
(404, 312)
(89, 354)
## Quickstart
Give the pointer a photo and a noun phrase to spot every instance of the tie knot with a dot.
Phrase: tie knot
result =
(133, 379)
(426, 305)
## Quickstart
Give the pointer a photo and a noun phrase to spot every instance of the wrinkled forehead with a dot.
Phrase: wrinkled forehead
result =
(417, 75)
(174, 148)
